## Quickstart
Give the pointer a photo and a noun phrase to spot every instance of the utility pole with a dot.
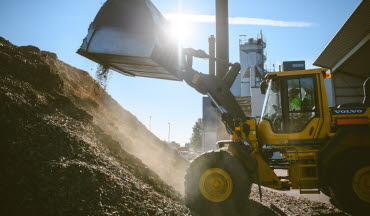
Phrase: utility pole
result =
(150, 123)
(169, 131)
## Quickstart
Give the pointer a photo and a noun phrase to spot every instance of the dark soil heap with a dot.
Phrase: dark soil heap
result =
(55, 156)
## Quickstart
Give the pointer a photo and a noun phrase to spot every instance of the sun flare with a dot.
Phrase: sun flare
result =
(180, 27)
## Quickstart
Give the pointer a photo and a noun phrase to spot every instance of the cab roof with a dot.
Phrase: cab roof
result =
(298, 72)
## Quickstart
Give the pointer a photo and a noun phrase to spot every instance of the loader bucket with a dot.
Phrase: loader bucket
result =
(130, 37)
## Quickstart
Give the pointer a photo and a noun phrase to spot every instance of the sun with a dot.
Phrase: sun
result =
(180, 27)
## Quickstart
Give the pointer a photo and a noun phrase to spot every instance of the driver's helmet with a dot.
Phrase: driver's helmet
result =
(294, 92)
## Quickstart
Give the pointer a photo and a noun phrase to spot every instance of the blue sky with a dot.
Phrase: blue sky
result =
(60, 26)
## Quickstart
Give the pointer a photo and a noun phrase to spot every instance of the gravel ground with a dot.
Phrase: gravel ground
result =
(278, 203)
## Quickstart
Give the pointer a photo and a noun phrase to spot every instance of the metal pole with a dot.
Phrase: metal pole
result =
(212, 49)
(150, 123)
(222, 53)
(169, 131)
(222, 36)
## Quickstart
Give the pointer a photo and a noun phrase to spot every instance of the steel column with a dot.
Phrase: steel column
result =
(212, 49)
(222, 36)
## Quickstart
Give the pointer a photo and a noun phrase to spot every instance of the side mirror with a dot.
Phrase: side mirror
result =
(263, 86)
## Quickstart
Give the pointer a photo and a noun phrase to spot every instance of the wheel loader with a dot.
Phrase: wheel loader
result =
(323, 149)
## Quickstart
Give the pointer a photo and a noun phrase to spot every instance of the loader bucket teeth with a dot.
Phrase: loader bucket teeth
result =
(130, 37)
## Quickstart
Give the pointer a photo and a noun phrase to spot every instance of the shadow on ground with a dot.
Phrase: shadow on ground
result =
(256, 209)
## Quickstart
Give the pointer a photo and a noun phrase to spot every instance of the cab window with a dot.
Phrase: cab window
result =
(272, 109)
(301, 107)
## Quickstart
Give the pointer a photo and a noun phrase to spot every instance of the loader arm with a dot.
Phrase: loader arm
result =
(219, 92)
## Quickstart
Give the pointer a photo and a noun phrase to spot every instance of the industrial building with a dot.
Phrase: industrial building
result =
(252, 61)
(209, 129)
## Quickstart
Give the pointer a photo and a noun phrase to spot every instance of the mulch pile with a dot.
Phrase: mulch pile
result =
(54, 157)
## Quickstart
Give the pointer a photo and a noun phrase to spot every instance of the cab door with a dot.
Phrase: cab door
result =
(300, 110)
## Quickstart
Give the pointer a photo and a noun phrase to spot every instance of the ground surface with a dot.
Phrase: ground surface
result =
(67, 148)
(278, 203)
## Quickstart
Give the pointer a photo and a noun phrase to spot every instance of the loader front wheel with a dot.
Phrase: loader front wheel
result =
(216, 183)
(351, 183)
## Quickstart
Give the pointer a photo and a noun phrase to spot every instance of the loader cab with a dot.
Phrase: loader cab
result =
(293, 108)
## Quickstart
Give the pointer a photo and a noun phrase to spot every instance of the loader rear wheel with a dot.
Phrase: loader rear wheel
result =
(350, 186)
(216, 183)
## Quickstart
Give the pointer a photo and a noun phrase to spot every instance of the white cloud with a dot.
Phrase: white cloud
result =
(200, 18)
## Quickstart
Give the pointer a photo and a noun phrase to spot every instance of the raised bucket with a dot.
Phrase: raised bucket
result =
(131, 37)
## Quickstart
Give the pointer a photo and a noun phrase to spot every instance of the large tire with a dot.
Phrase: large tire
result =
(350, 183)
(234, 201)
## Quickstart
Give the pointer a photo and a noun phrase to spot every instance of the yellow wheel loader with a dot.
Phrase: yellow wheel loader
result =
(322, 149)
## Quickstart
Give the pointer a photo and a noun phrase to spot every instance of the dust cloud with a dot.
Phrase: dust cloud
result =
(136, 139)
(124, 127)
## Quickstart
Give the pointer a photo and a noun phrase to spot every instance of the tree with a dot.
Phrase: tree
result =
(196, 137)
(174, 145)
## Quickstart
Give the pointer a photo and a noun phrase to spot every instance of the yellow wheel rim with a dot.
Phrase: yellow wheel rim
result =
(361, 183)
(215, 185)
